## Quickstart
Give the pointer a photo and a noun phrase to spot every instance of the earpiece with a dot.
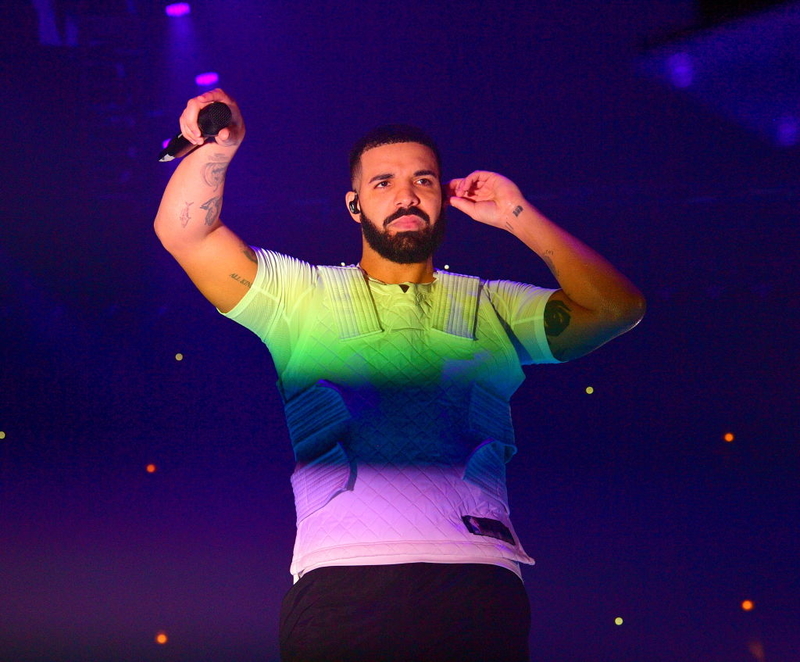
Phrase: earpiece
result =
(353, 205)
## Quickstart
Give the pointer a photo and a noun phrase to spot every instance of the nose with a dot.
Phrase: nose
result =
(406, 196)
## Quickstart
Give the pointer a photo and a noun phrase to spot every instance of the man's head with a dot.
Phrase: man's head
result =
(389, 134)
(397, 195)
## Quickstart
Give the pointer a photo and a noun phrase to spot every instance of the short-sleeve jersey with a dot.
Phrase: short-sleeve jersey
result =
(396, 400)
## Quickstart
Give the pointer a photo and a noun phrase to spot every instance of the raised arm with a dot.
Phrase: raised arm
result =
(188, 221)
(595, 303)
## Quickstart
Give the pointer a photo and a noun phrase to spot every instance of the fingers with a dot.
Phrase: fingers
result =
(450, 188)
(472, 185)
(188, 119)
(482, 185)
(462, 204)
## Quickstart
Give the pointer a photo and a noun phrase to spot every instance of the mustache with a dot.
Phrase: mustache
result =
(410, 211)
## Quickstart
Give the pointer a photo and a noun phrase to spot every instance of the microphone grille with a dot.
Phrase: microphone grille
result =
(214, 117)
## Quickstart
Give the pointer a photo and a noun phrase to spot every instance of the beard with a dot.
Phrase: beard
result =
(408, 246)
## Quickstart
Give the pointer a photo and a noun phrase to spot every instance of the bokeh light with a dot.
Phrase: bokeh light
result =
(207, 79)
(161, 638)
(728, 437)
(618, 620)
(2, 435)
(590, 389)
(151, 468)
(179, 357)
(748, 605)
(177, 9)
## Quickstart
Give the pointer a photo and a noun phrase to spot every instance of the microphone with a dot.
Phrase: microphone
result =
(211, 120)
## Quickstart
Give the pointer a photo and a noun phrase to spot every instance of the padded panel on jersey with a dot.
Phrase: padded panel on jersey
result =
(317, 482)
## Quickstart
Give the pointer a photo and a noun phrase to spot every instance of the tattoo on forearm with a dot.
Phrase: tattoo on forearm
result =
(241, 280)
(556, 317)
(212, 208)
(508, 224)
(548, 260)
(185, 214)
(214, 170)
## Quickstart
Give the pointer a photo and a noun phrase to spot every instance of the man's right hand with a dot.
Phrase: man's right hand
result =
(188, 223)
(231, 136)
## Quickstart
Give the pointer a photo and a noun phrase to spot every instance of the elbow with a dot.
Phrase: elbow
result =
(629, 312)
(165, 233)
(158, 228)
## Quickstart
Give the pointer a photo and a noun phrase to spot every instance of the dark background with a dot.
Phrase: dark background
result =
(629, 498)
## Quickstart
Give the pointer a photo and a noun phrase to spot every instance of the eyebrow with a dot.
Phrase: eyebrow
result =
(389, 175)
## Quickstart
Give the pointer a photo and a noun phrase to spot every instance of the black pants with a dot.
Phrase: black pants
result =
(415, 612)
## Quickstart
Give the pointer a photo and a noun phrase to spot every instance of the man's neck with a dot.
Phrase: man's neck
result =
(386, 271)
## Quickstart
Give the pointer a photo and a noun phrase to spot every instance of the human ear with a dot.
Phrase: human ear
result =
(351, 199)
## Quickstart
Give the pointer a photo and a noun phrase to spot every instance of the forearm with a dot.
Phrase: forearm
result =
(191, 204)
(586, 278)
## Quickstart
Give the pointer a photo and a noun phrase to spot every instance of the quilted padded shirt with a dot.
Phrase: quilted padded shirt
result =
(396, 400)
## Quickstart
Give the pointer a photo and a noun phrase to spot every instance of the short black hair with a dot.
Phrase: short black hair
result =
(390, 134)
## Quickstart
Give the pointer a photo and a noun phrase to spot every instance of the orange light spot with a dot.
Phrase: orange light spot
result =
(161, 638)
(728, 437)
(748, 605)
(151, 468)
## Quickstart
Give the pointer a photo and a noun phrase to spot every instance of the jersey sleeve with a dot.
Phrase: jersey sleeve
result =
(270, 307)
(521, 309)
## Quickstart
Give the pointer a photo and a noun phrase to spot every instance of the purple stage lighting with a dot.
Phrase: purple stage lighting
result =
(788, 132)
(207, 79)
(681, 70)
(178, 9)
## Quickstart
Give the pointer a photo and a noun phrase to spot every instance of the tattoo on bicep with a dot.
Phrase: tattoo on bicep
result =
(241, 280)
(185, 214)
(212, 208)
(556, 317)
(249, 253)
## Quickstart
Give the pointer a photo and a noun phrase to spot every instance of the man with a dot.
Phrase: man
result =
(396, 379)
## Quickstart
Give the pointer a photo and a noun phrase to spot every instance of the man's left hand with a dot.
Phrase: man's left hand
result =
(485, 196)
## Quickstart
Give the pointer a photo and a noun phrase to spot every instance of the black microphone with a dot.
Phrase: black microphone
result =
(211, 120)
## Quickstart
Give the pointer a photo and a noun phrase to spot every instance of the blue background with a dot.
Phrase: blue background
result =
(629, 499)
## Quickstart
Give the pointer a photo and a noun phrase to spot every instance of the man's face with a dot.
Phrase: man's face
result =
(400, 197)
